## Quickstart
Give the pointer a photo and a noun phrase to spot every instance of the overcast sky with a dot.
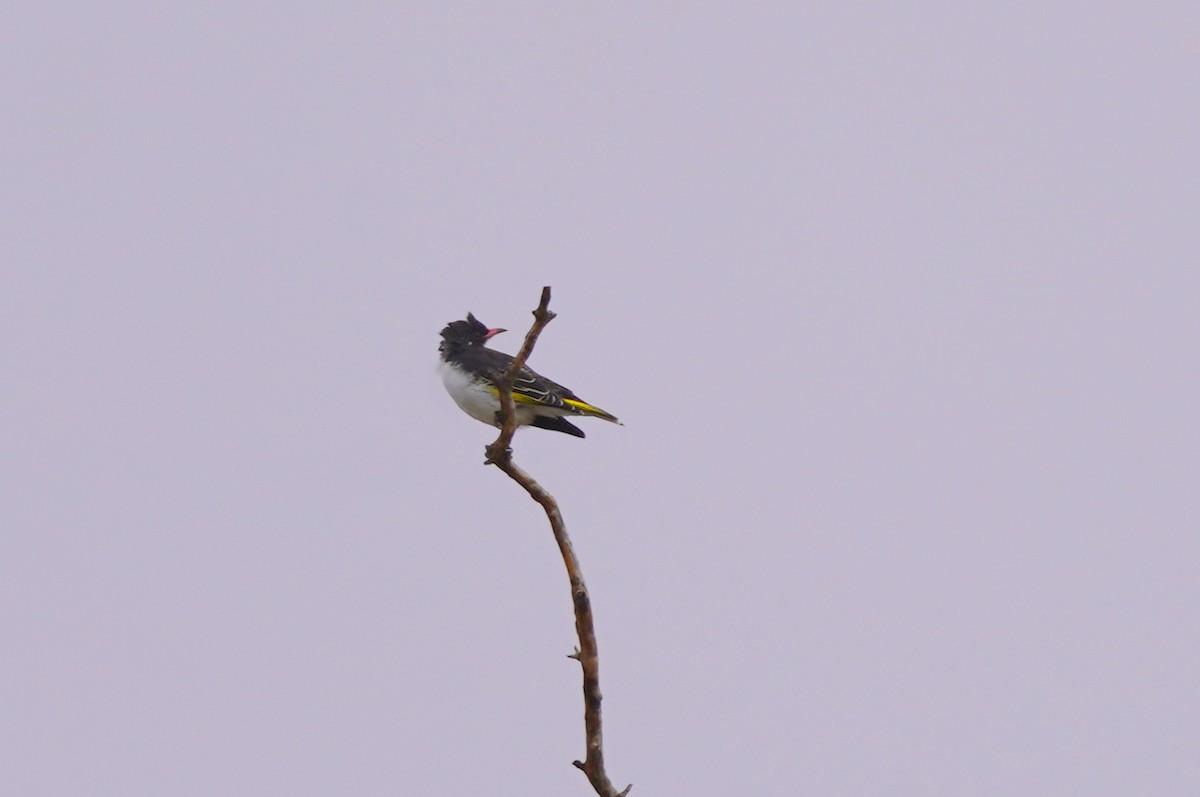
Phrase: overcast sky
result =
(898, 305)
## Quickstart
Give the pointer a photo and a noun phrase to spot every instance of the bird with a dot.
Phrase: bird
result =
(470, 372)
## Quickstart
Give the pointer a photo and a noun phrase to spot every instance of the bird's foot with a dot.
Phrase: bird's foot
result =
(492, 456)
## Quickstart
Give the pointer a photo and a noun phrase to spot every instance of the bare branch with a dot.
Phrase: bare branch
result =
(499, 453)
(501, 448)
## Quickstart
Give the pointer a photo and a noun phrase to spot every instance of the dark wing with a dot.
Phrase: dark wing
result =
(535, 389)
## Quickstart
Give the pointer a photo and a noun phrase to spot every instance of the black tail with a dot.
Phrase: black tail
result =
(555, 424)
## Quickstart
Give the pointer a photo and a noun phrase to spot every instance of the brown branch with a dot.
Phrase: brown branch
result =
(499, 454)
(501, 448)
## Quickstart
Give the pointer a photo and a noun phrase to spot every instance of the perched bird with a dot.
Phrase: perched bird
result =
(470, 372)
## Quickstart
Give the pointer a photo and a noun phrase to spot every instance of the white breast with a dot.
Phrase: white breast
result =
(471, 397)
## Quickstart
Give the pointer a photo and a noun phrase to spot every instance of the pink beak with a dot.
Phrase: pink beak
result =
(491, 333)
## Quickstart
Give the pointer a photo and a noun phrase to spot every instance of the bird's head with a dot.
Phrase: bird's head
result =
(460, 335)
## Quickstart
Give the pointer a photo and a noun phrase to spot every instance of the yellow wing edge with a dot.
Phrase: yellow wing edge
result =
(579, 406)
(591, 409)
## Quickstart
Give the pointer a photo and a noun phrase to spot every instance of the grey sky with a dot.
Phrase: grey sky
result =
(897, 305)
